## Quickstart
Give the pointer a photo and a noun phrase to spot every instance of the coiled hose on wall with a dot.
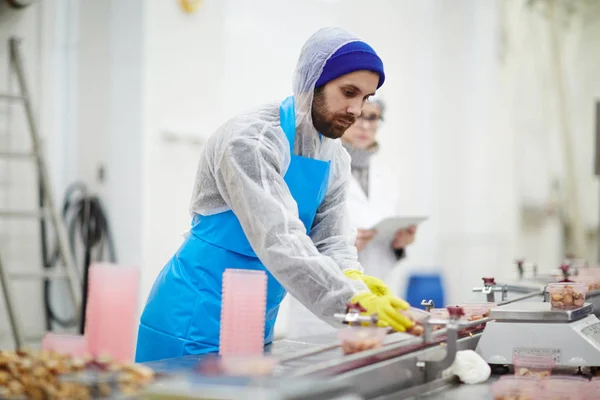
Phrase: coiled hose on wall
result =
(90, 240)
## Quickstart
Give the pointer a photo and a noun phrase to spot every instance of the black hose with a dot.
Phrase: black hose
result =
(85, 220)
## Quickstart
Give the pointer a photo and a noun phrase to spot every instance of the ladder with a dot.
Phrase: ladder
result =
(47, 212)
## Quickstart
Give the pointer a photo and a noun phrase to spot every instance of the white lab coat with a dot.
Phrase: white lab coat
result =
(378, 258)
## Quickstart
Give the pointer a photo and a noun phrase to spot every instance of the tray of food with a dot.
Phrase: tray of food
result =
(49, 375)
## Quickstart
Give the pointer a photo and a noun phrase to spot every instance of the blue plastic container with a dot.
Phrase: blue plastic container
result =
(425, 287)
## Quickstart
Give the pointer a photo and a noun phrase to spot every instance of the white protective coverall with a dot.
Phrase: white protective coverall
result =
(243, 169)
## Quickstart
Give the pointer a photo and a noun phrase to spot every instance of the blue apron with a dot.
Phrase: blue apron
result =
(183, 310)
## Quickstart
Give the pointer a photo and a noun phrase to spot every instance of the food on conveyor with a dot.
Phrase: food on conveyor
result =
(417, 316)
(532, 372)
(567, 296)
(48, 375)
(472, 312)
(354, 339)
(416, 330)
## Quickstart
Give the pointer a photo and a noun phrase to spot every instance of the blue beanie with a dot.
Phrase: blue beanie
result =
(351, 57)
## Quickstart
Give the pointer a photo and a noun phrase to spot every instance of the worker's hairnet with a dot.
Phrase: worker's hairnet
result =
(242, 169)
(313, 56)
(379, 103)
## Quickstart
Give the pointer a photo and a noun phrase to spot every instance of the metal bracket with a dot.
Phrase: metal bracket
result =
(428, 304)
(432, 368)
(353, 316)
(490, 288)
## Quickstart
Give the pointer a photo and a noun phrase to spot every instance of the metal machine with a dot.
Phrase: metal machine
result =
(570, 338)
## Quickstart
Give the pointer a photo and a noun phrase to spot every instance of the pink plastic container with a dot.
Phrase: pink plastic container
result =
(565, 388)
(593, 390)
(111, 315)
(243, 309)
(360, 338)
(74, 345)
(533, 366)
(473, 310)
(248, 366)
(516, 387)
(589, 277)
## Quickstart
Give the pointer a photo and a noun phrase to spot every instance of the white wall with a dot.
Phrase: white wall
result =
(531, 110)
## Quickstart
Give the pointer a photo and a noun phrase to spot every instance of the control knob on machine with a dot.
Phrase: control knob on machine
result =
(455, 312)
(489, 281)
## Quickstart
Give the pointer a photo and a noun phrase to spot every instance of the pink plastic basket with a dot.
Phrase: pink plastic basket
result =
(243, 313)
(74, 345)
(516, 387)
(111, 315)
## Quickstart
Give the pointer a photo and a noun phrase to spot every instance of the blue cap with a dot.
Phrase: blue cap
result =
(351, 57)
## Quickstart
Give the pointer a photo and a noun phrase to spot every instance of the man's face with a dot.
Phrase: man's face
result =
(361, 135)
(337, 104)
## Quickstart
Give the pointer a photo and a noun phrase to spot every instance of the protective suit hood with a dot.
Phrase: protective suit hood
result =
(313, 56)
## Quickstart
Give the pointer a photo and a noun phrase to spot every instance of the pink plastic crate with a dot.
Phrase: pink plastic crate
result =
(75, 345)
(516, 387)
(111, 315)
(243, 311)
(565, 388)
(593, 390)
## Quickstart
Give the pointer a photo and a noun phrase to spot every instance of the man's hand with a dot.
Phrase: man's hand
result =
(363, 237)
(404, 237)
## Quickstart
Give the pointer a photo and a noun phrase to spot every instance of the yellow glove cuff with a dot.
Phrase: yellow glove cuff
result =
(353, 274)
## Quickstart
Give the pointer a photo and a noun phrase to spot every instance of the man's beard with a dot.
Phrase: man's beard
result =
(331, 126)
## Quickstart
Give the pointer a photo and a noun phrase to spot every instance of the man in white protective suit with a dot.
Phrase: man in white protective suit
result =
(270, 195)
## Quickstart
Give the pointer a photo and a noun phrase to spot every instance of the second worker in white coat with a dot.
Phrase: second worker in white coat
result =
(372, 196)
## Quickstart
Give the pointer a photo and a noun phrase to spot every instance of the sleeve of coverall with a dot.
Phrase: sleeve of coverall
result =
(332, 232)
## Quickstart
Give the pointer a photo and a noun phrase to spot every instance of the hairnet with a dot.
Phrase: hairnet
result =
(379, 103)
(242, 169)
(313, 56)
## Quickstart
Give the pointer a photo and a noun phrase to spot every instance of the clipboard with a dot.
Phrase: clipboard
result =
(387, 227)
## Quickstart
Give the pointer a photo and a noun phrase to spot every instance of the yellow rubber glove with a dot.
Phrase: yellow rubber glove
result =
(386, 308)
(376, 285)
